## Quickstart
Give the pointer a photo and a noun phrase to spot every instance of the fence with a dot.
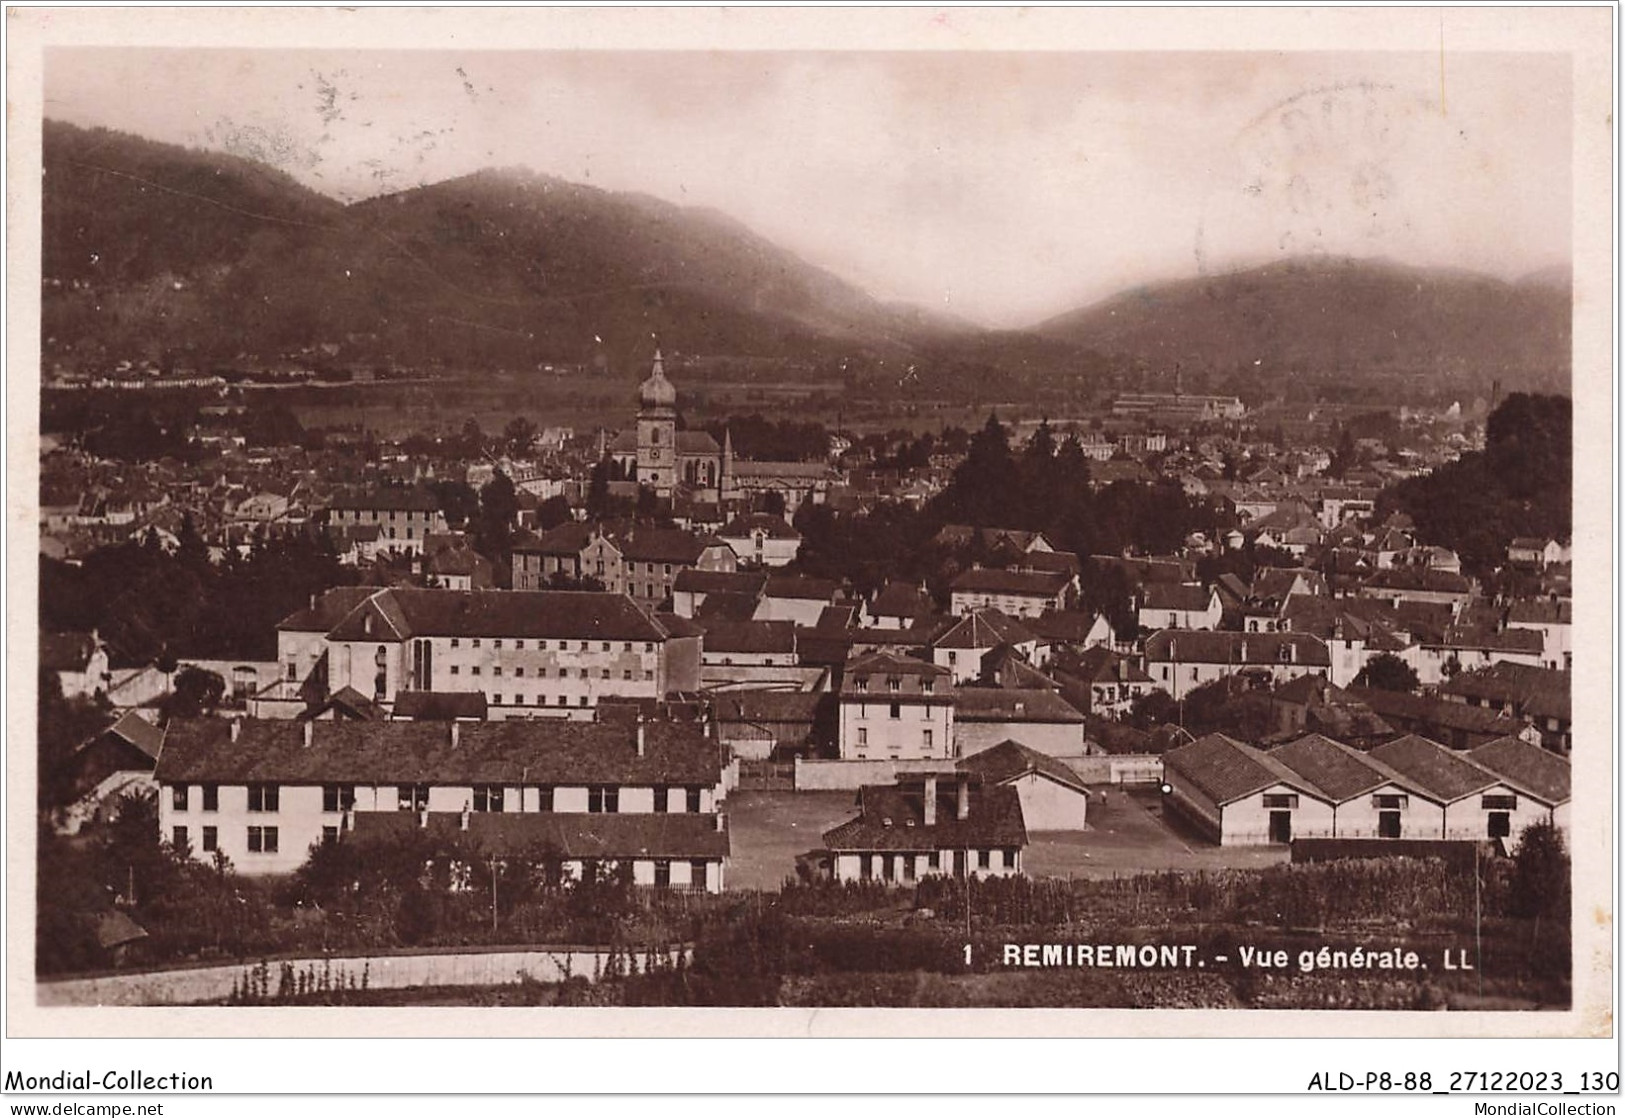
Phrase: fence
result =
(1119, 768)
(205, 985)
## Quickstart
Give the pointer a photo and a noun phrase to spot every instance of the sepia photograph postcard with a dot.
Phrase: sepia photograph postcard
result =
(909, 522)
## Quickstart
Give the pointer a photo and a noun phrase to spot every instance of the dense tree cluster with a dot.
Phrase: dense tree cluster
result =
(1521, 484)
(772, 440)
(149, 604)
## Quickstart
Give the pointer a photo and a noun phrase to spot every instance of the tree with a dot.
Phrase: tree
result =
(553, 512)
(598, 490)
(773, 503)
(1153, 709)
(499, 511)
(518, 434)
(196, 691)
(1387, 672)
(1541, 869)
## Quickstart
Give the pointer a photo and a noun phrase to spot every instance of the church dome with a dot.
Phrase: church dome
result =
(657, 391)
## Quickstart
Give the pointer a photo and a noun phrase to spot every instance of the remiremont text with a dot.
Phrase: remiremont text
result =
(87, 1080)
(1183, 956)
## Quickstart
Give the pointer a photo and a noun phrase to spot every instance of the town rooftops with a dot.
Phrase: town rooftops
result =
(767, 706)
(886, 665)
(1063, 626)
(1444, 774)
(892, 817)
(1406, 707)
(1013, 704)
(401, 613)
(542, 751)
(800, 586)
(901, 599)
(1226, 770)
(665, 545)
(1419, 580)
(1539, 692)
(1103, 665)
(1010, 760)
(1540, 611)
(566, 835)
(1032, 584)
(984, 628)
(1529, 767)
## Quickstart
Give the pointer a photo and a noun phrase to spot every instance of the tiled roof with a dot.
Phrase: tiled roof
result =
(1010, 760)
(984, 628)
(1011, 704)
(398, 498)
(797, 586)
(694, 581)
(1542, 692)
(327, 611)
(1541, 611)
(1226, 770)
(888, 664)
(439, 706)
(140, 733)
(1420, 580)
(721, 605)
(767, 706)
(542, 751)
(1103, 665)
(570, 835)
(1443, 773)
(1176, 596)
(900, 599)
(1342, 773)
(1439, 712)
(806, 471)
(542, 614)
(983, 580)
(741, 527)
(665, 545)
(1062, 625)
(750, 636)
(892, 817)
(1241, 649)
(1526, 766)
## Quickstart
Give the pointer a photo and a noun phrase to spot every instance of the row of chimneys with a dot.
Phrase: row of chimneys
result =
(961, 798)
(309, 727)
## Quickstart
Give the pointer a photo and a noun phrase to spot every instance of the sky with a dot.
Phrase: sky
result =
(1001, 187)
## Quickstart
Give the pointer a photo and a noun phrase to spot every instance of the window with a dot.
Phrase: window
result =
(519, 644)
(542, 645)
(497, 643)
(583, 673)
(412, 797)
(518, 699)
(697, 873)
(928, 739)
(1500, 803)
(475, 670)
(908, 867)
(928, 686)
(897, 710)
(661, 795)
(984, 859)
(628, 647)
(693, 801)
(263, 797)
(648, 675)
(564, 700)
(564, 673)
(603, 673)
(1390, 802)
(487, 797)
(863, 735)
(582, 701)
(603, 799)
(211, 839)
(454, 669)
(330, 835)
(1009, 859)
(211, 797)
(605, 647)
(544, 797)
(497, 671)
(262, 840)
(519, 673)
(662, 873)
(866, 866)
(338, 797)
(178, 839)
(293, 671)
(649, 646)
(627, 674)
(894, 684)
(476, 642)
(1500, 824)
(861, 683)
(178, 797)
(496, 700)
(933, 861)
(456, 643)
(1281, 799)
(583, 646)
(888, 866)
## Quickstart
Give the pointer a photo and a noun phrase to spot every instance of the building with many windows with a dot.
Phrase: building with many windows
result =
(952, 823)
(404, 517)
(263, 792)
(895, 707)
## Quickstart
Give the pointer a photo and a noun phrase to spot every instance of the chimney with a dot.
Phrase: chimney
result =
(310, 732)
(962, 802)
(456, 734)
(931, 800)
(722, 822)
(640, 734)
(237, 728)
